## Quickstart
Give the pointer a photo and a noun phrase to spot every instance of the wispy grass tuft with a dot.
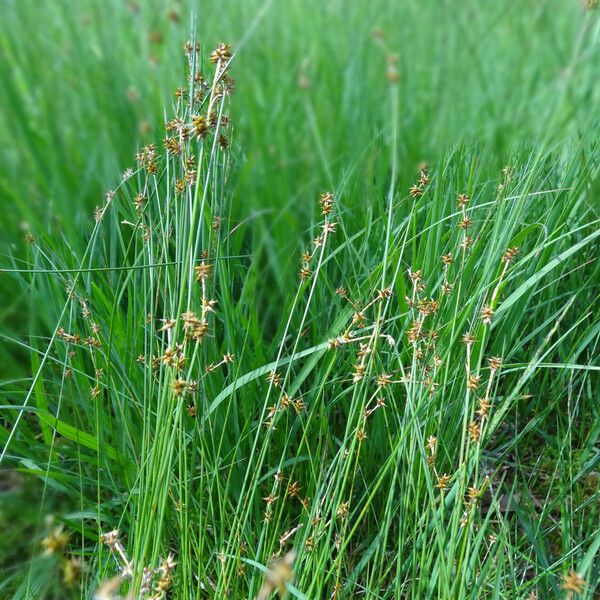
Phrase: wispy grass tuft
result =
(394, 399)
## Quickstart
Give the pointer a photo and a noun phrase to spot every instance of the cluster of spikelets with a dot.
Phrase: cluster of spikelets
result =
(370, 334)
(199, 114)
(200, 122)
(199, 111)
(373, 339)
(373, 336)
(55, 544)
(192, 139)
(155, 582)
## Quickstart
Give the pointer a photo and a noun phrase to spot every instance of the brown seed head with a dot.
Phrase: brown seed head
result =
(432, 443)
(274, 378)
(495, 362)
(473, 381)
(473, 493)
(467, 242)
(200, 125)
(573, 583)
(487, 314)
(415, 191)
(221, 53)
(484, 408)
(510, 254)
(343, 510)
(203, 271)
(179, 386)
(442, 481)
(55, 541)
(462, 200)
(474, 431)
(448, 259)
(327, 202)
(465, 223)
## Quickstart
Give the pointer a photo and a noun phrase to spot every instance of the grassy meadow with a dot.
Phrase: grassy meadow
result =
(299, 299)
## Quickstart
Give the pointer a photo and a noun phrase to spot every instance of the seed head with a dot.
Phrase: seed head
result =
(179, 186)
(280, 573)
(200, 331)
(327, 202)
(484, 408)
(342, 511)
(179, 386)
(384, 293)
(299, 405)
(200, 125)
(190, 320)
(172, 146)
(203, 271)
(415, 333)
(329, 227)
(333, 343)
(432, 443)
(274, 378)
(393, 75)
(468, 339)
(427, 307)
(442, 481)
(495, 362)
(293, 489)
(221, 53)
(487, 314)
(208, 305)
(447, 288)
(510, 254)
(111, 539)
(139, 201)
(55, 541)
(467, 242)
(72, 569)
(474, 431)
(384, 380)
(359, 373)
(415, 191)
(305, 272)
(462, 200)
(573, 583)
(416, 276)
(167, 324)
(465, 223)
(473, 493)
(473, 381)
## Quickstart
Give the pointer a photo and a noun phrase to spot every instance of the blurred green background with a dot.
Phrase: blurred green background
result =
(83, 84)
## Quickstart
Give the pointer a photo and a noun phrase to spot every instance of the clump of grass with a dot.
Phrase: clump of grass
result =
(365, 441)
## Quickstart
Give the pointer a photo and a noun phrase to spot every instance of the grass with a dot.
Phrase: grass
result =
(414, 415)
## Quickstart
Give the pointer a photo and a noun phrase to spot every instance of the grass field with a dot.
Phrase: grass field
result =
(310, 315)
